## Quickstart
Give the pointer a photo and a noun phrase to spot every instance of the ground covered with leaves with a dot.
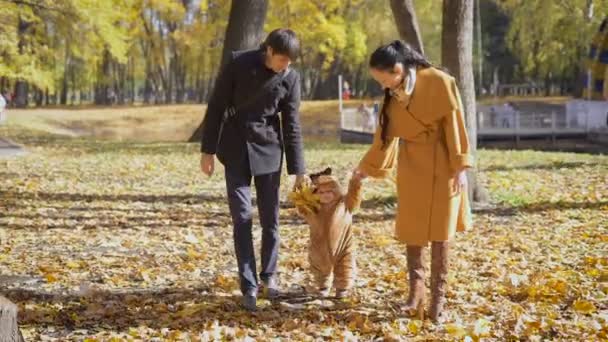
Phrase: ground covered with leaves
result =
(115, 241)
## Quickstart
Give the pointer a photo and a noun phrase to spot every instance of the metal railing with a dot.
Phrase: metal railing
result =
(357, 120)
(528, 124)
(515, 124)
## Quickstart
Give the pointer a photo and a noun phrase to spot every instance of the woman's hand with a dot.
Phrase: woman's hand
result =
(359, 175)
(460, 181)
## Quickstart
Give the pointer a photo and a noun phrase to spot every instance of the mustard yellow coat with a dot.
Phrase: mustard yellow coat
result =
(428, 143)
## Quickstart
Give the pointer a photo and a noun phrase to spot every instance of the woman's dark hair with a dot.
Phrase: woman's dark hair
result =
(384, 59)
(283, 42)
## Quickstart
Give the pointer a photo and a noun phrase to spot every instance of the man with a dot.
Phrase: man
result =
(252, 88)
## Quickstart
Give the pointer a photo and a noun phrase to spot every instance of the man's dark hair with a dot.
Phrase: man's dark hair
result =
(283, 42)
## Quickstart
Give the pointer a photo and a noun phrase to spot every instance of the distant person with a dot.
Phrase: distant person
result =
(2, 107)
(346, 92)
(376, 106)
(368, 118)
(506, 111)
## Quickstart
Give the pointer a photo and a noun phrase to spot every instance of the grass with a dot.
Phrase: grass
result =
(112, 240)
(320, 121)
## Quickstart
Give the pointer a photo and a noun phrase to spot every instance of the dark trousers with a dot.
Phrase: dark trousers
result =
(238, 185)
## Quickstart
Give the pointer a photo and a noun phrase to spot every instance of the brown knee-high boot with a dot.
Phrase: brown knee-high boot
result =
(415, 270)
(439, 278)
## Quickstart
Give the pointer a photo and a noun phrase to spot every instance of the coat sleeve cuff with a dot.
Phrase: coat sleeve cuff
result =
(207, 149)
(463, 161)
(297, 170)
(374, 172)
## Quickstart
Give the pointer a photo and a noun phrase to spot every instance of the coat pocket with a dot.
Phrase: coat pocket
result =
(261, 133)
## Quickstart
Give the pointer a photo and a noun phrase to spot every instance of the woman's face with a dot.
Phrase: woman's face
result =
(388, 79)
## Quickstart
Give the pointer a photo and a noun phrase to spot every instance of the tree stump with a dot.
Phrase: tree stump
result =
(9, 329)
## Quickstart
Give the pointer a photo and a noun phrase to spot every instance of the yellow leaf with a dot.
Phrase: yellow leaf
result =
(414, 326)
(133, 332)
(116, 279)
(383, 240)
(584, 306)
(193, 254)
(305, 199)
(225, 283)
(32, 185)
(455, 330)
(72, 264)
(50, 278)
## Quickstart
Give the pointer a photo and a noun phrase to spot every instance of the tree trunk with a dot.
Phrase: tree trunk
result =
(39, 98)
(407, 23)
(547, 86)
(63, 98)
(244, 31)
(3, 84)
(170, 81)
(9, 329)
(457, 56)
(21, 86)
(480, 54)
(148, 84)
(120, 85)
(21, 94)
(179, 77)
(199, 90)
(131, 80)
(103, 89)
(245, 26)
(327, 88)
(64, 82)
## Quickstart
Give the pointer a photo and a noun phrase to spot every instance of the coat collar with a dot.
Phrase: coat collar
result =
(410, 81)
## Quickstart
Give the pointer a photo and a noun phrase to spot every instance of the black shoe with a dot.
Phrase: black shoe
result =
(249, 302)
(270, 288)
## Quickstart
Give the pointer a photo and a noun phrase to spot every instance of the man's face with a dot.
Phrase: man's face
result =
(276, 62)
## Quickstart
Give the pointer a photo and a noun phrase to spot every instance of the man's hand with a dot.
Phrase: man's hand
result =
(207, 164)
(300, 180)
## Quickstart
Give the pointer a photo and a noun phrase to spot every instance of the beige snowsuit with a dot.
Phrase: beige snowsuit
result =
(331, 248)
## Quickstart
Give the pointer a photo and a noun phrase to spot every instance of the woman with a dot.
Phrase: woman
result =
(422, 132)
